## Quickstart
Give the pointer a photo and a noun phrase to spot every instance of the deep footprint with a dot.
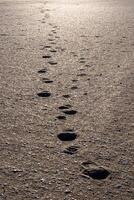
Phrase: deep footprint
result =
(71, 150)
(98, 174)
(92, 171)
(44, 94)
(67, 136)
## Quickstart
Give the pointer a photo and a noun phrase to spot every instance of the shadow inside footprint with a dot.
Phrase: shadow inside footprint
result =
(95, 172)
(53, 51)
(82, 74)
(44, 94)
(67, 136)
(69, 112)
(47, 81)
(74, 88)
(42, 71)
(98, 174)
(52, 63)
(65, 107)
(61, 117)
(46, 56)
(71, 150)
(66, 96)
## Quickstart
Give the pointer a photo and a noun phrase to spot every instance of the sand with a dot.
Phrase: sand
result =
(66, 99)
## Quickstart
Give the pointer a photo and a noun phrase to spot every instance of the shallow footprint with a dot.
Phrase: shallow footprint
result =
(46, 56)
(44, 94)
(82, 74)
(42, 71)
(74, 87)
(69, 112)
(47, 81)
(68, 135)
(53, 51)
(65, 107)
(52, 63)
(71, 150)
(66, 96)
(61, 117)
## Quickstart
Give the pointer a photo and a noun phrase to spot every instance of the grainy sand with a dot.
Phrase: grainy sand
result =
(66, 99)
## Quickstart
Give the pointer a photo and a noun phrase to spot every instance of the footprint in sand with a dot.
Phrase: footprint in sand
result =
(74, 87)
(53, 51)
(47, 47)
(66, 96)
(65, 107)
(51, 62)
(42, 71)
(46, 56)
(61, 117)
(44, 94)
(47, 81)
(82, 74)
(74, 80)
(67, 110)
(71, 150)
(91, 170)
(67, 135)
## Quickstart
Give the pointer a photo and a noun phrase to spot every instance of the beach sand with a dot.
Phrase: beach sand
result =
(66, 99)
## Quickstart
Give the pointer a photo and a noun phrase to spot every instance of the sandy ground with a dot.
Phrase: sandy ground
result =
(66, 99)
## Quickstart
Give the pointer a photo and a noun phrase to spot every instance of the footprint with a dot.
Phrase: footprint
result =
(46, 56)
(85, 94)
(53, 31)
(74, 80)
(66, 96)
(44, 94)
(51, 40)
(82, 74)
(49, 81)
(46, 80)
(65, 107)
(81, 69)
(47, 47)
(69, 112)
(42, 71)
(61, 117)
(68, 135)
(52, 63)
(82, 61)
(74, 87)
(66, 110)
(91, 170)
(71, 150)
(53, 51)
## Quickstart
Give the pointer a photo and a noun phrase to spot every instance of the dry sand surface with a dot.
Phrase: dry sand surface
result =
(66, 99)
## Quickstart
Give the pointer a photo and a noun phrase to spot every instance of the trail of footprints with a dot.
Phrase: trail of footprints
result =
(88, 169)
